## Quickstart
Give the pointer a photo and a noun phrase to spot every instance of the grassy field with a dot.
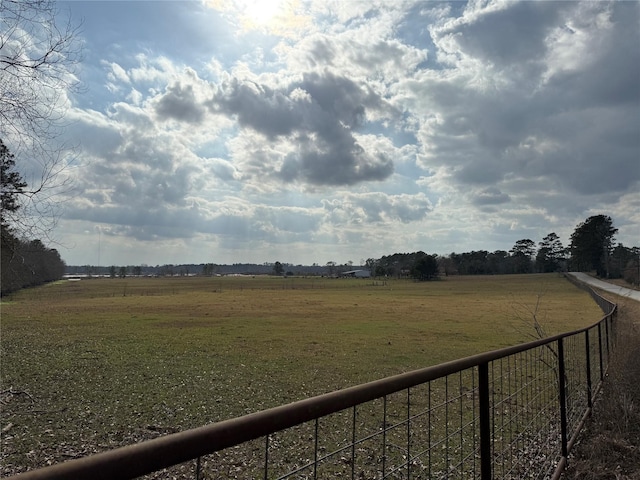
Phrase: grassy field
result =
(95, 364)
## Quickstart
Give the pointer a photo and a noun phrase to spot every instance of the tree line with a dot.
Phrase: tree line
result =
(28, 263)
(592, 248)
(23, 262)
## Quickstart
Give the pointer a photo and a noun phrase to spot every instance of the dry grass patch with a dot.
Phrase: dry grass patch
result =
(610, 447)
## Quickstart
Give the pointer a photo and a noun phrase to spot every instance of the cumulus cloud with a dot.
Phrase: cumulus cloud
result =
(266, 110)
(318, 115)
(179, 102)
(490, 196)
(377, 207)
(482, 31)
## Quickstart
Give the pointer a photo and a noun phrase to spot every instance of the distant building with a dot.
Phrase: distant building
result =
(357, 273)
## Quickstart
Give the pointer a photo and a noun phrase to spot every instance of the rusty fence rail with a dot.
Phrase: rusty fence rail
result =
(512, 413)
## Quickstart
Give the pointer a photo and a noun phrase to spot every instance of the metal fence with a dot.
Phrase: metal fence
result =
(513, 413)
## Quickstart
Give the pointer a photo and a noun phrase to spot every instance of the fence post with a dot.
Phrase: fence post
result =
(600, 350)
(485, 421)
(384, 437)
(588, 357)
(606, 328)
(612, 321)
(562, 398)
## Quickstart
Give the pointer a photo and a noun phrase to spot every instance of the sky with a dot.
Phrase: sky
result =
(305, 132)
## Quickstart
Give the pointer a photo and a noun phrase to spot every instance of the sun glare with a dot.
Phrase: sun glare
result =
(278, 17)
(261, 12)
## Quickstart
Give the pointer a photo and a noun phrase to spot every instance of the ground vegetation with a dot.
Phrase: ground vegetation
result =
(609, 448)
(94, 364)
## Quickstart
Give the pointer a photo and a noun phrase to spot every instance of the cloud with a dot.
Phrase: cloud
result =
(343, 162)
(221, 168)
(377, 207)
(116, 76)
(318, 116)
(490, 196)
(270, 112)
(179, 102)
(482, 30)
(508, 111)
(385, 59)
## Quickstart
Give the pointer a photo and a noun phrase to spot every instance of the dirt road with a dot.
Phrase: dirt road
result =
(608, 287)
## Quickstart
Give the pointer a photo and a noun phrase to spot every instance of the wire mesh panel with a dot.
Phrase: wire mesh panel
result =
(594, 359)
(610, 343)
(427, 431)
(444, 428)
(524, 405)
(575, 380)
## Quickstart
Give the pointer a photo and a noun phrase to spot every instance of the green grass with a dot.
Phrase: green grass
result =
(105, 362)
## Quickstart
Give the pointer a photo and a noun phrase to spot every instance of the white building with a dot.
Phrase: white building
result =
(357, 273)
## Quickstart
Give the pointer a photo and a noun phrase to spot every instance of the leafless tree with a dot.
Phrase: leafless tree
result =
(38, 60)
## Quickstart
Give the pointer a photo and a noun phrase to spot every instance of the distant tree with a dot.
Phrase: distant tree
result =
(522, 254)
(208, 269)
(551, 254)
(447, 266)
(498, 262)
(278, 268)
(370, 264)
(471, 263)
(631, 272)
(23, 262)
(27, 264)
(11, 182)
(137, 270)
(425, 267)
(331, 265)
(399, 264)
(112, 271)
(11, 187)
(619, 260)
(591, 245)
(122, 273)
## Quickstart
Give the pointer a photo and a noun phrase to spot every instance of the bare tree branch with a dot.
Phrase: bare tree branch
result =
(38, 60)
